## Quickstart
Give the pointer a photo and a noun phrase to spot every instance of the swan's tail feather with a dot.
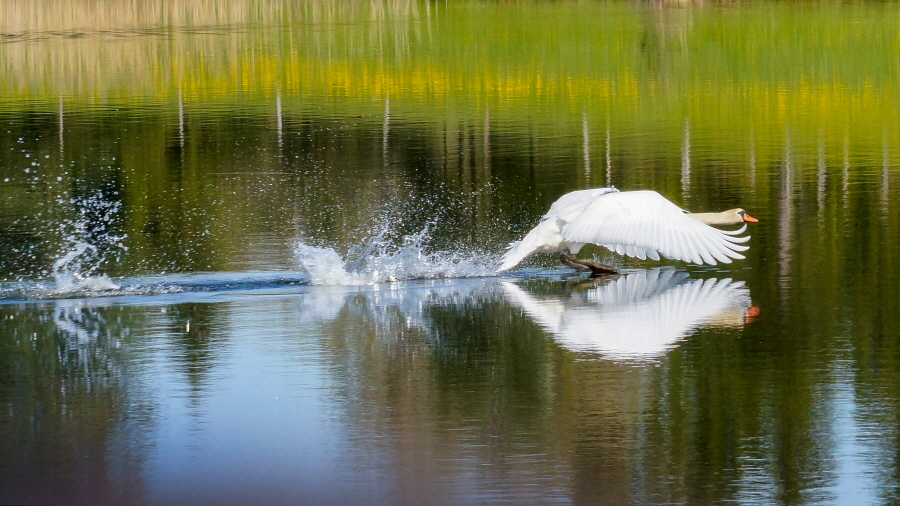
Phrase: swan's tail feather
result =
(543, 238)
(513, 256)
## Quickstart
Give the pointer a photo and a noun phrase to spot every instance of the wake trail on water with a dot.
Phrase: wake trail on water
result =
(74, 275)
(152, 285)
(378, 260)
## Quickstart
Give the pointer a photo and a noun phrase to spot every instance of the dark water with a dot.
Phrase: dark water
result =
(248, 254)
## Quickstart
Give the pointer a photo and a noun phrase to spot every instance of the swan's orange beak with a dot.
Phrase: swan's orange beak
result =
(751, 314)
(749, 218)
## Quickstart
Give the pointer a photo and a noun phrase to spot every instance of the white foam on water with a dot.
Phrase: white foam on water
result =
(382, 262)
(325, 266)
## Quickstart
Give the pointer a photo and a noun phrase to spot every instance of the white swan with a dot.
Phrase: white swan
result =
(641, 224)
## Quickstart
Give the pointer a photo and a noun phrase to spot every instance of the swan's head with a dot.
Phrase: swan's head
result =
(742, 216)
(729, 217)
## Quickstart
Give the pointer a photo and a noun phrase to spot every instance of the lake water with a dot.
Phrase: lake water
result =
(248, 253)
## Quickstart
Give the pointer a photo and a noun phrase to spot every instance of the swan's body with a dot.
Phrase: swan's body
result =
(641, 224)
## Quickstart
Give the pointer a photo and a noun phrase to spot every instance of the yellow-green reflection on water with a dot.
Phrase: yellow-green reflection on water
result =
(181, 137)
(732, 72)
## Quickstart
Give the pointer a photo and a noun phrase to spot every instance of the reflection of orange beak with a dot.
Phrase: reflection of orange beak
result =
(749, 218)
(751, 314)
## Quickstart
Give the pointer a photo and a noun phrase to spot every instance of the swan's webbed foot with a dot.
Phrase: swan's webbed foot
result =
(597, 269)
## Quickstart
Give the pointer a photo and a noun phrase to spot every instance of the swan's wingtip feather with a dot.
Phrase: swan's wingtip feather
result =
(735, 232)
(509, 260)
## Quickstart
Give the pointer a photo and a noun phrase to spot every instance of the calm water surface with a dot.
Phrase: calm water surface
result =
(248, 253)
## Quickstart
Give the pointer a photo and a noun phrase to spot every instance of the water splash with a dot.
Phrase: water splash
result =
(381, 261)
(74, 272)
(89, 244)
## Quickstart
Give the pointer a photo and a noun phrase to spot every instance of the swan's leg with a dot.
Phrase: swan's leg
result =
(597, 269)
(572, 262)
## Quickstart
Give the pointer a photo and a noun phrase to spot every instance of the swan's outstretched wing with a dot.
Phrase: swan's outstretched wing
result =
(545, 237)
(644, 224)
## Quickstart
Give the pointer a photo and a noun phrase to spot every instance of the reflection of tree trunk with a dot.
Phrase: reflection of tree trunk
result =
(752, 158)
(61, 124)
(385, 130)
(278, 120)
(686, 163)
(785, 216)
(587, 150)
(885, 178)
(821, 178)
(487, 144)
(608, 157)
(467, 167)
(483, 198)
(845, 186)
(181, 121)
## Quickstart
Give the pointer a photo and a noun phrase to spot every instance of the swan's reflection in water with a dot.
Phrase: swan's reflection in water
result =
(636, 316)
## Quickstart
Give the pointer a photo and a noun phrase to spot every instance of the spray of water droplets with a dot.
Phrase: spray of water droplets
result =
(89, 244)
(382, 261)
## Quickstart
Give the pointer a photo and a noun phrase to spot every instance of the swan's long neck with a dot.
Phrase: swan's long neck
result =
(723, 218)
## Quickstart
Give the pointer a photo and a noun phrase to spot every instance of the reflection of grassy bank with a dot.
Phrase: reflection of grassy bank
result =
(729, 71)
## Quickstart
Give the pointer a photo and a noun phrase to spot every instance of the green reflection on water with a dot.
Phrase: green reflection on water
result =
(733, 72)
